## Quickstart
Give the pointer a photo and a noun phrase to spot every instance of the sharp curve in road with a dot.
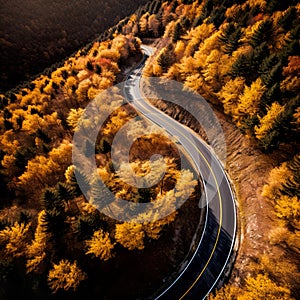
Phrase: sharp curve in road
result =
(215, 249)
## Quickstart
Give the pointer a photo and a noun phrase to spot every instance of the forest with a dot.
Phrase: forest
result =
(242, 56)
(54, 242)
(37, 34)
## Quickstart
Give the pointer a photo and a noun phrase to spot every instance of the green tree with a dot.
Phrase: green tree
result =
(166, 58)
(273, 76)
(73, 176)
(241, 67)
(87, 224)
(51, 200)
(233, 41)
(54, 225)
(65, 192)
(177, 32)
(288, 18)
(263, 33)
(88, 148)
(269, 95)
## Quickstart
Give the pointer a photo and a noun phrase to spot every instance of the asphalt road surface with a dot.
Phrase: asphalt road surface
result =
(213, 255)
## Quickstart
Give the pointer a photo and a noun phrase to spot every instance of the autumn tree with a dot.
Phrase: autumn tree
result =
(43, 170)
(36, 251)
(100, 245)
(288, 209)
(165, 58)
(179, 49)
(248, 104)
(65, 276)
(283, 189)
(227, 292)
(130, 235)
(14, 239)
(144, 23)
(262, 287)
(284, 127)
(266, 122)
(290, 83)
(277, 177)
(230, 93)
(73, 117)
(154, 25)
(216, 68)
(196, 36)
(73, 175)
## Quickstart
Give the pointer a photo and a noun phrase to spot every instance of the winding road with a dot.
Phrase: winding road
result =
(215, 250)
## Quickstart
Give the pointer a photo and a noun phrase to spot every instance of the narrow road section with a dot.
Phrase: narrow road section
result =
(213, 254)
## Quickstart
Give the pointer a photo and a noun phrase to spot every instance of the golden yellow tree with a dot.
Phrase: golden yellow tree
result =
(229, 94)
(209, 44)
(279, 268)
(187, 66)
(288, 209)
(216, 68)
(82, 90)
(100, 245)
(262, 287)
(8, 163)
(65, 276)
(130, 235)
(144, 22)
(36, 250)
(14, 238)
(8, 142)
(116, 122)
(278, 176)
(122, 45)
(196, 36)
(198, 84)
(179, 49)
(42, 170)
(73, 117)
(249, 101)
(227, 292)
(267, 121)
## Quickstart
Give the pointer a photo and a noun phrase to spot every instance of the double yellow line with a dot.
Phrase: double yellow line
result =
(219, 197)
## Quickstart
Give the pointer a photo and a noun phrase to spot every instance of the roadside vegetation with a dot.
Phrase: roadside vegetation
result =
(53, 241)
(241, 56)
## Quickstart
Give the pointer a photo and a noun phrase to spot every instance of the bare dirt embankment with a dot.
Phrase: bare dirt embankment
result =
(248, 170)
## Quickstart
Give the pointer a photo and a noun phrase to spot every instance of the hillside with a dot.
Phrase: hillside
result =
(36, 34)
(243, 58)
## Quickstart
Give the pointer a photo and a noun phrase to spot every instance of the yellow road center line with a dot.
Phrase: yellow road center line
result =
(220, 203)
